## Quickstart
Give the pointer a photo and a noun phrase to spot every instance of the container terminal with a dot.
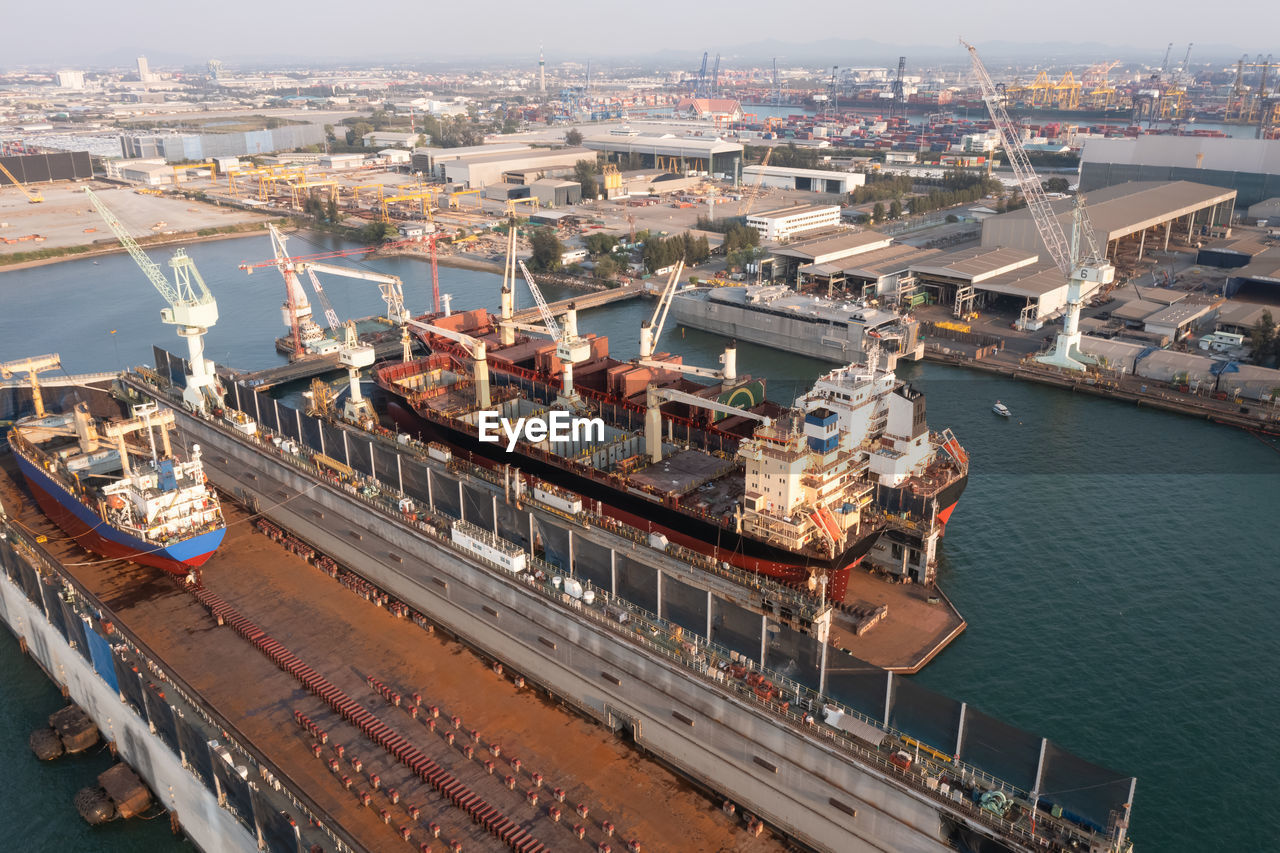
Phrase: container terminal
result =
(817, 771)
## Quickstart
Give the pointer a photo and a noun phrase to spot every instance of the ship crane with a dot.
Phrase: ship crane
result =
(33, 367)
(192, 309)
(355, 355)
(1080, 261)
(651, 331)
(570, 348)
(474, 346)
(655, 397)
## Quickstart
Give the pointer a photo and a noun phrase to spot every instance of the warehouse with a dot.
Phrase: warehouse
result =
(813, 180)
(1198, 373)
(1251, 167)
(783, 223)
(1260, 279)
(981, 276)
(431, 161)
(805, 257)
(553, 192)
(479, 171)
(679, 154)
(1128, 220)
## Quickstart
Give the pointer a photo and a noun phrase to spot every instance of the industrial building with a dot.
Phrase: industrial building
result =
(71, 79)
(1251, 167)
(1016, 276)
(1265, 212)
(38, 168)
(1260, 278)
(814, 180)
(177, 147)
(477, 172)
(679, 154)
(554, 192)
(783, 223)
(713, 109)
(431, 161)
(1128, 220)
(1197, 372)
(872, 272)
(804, 260)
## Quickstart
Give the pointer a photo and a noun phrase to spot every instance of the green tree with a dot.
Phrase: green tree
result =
(573, 137)
(895, 209)
(607, 268)
(1055, 185)
(378, 232)
(355, 134)
(584, 172)
(601, 244)
(877, 212)
(547, 249)
(1263, 338)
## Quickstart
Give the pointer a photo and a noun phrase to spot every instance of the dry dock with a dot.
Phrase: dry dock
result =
(305, 610)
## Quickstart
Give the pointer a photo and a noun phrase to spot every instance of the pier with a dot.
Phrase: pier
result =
(594, 299)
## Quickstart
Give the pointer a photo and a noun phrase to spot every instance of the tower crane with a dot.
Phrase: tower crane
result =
(1080, 261)
(192, 309)
(570, 348)
(32, 195)
(33, 367)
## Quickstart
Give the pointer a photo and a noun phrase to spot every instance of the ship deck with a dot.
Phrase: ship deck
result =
(305, 611)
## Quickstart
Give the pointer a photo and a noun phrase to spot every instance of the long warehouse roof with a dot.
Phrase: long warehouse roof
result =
(669, 145)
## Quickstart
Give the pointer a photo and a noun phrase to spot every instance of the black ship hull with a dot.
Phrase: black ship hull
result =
(701, 535)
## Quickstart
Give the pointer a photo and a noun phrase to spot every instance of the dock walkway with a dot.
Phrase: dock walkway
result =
(587, 300)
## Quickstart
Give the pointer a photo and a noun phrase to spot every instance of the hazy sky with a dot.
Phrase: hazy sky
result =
(83, 33)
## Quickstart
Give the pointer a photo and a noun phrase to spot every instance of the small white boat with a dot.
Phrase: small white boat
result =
(1001, 409)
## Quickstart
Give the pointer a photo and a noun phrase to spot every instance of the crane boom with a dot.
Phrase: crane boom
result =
(32, 196)
(330, 316)
(1055, 240)
(548, 319)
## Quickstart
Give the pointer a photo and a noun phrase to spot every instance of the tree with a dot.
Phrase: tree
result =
(895, 209)
(547, 250)
(607, 267)
(356, 133)
(877, 212)
(584, 172)
(601, 244)
(378, 232)
(573, 137)
(1055, 185)
(1263, 338)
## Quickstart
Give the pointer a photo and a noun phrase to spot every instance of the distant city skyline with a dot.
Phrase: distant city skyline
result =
(76, 33)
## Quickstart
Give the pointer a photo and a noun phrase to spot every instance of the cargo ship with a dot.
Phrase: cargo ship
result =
(787, 492)
(115, 498)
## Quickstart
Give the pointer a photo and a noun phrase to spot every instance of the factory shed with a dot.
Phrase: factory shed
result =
(478, 172)
(990, 274)
(1233, 252)
(1128, 220)
(553, 192)
(868, 274)
(1176, 321)
(1260, 278)
(813, 180)
(1239, 317)
(1198, 373)
(679, 154)
(792, 260)
(1251, 167)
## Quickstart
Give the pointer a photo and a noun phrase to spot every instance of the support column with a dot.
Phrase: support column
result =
(764, 636)
(431, 494)
(320, 427)
(570, 567)
(822, 670)
(1142, 243)
(659, 597)
(373, 460)
(613, 571)
(346, 453)
(1168, 229)
(399, 471)
(1035, 788)
(888, 696)
(709, 604)
(494, 511)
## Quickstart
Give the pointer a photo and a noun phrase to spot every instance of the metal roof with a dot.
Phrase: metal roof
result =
(1178, 315)
(829, 248)
(1264, 267)
(1137, 310)
(1031, 282)
(666, 145)
(1227, 155)
(874, 263)
(1125, 209)
(977, 263)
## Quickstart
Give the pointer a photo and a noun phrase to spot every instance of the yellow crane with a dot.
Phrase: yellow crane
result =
(32, 196)
(210, 165)
(425, 197)
(529, 200)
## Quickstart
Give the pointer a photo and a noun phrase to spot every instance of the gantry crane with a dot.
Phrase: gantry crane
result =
(570, 348)
(1080, 261)
(33, 196)
(33, 367)
(192, 309)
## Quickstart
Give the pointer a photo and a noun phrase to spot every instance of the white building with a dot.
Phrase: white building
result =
(384, 139)
(814, 180)
(394, 156)
(786, 222)
(144, 70)
(71, 79)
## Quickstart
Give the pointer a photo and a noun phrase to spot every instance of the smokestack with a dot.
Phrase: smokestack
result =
(542, 72)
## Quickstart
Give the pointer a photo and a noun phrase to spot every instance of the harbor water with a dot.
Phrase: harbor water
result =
(1111, 561)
